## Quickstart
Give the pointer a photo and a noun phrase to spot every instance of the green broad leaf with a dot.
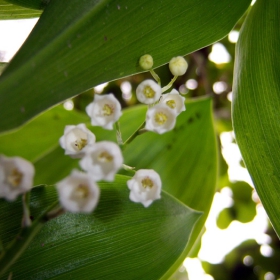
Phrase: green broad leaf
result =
(33, 4)
(243, 208)
(2, 66)
(120, 240)
(76, 46)
(40, 137)
(256, 102)
(185, 158)
(11, 11)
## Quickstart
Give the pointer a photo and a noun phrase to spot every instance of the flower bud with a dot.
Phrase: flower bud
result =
(146, 62)
(178, 66)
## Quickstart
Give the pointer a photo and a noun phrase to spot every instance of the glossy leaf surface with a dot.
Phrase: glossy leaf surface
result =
(187, 155)
(120, 240)
(76, 46)
(11, 11)
(185, 158)
(256, 102)
(33, 4)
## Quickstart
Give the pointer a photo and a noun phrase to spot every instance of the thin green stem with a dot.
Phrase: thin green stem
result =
(26, 221)
(139, 131)
(155, 76)
(118, 133)
(169, 85)
(23, 239)
(129, 168)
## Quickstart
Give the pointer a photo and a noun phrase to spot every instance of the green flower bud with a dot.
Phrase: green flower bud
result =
(146, 62)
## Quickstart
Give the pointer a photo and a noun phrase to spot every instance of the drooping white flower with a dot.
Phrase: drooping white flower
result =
(78, 192)
(104, 111)
(75, 140)
(102, 160)
(174, 101)
(148, 92)
(160, 119)
(146, 61)
(145, 186)
(16, 177)
(178, 66)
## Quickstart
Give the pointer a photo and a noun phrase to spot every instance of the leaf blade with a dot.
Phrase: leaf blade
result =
(123, 237)
(10, 11)
(64, 43)
(256, 102)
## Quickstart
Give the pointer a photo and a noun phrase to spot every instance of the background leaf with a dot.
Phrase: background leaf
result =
(243, 208)
(256, 102)
(2, 66)
(120, 240)
(11, 11)
(40, 136)
(187, 155)
(33, 4)
(84, 43)
(185, 158)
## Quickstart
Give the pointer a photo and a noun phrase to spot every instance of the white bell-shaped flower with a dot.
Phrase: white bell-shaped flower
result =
(145, 187)
(104, 111)
(174, 101)
(148, 92)
(102, 160)
(160, 119)
(78, 192)
(16, 177)
(178, 66)
(75, 140)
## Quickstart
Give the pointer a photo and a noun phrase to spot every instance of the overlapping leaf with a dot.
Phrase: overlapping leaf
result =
(185, 158)
(80, 44)
(11, 11)
(33, 4)
(187, 155)
(120, 240)
(257, 101)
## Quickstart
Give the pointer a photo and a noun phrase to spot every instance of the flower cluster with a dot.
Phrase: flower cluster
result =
(79, 191)
(162, 116)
